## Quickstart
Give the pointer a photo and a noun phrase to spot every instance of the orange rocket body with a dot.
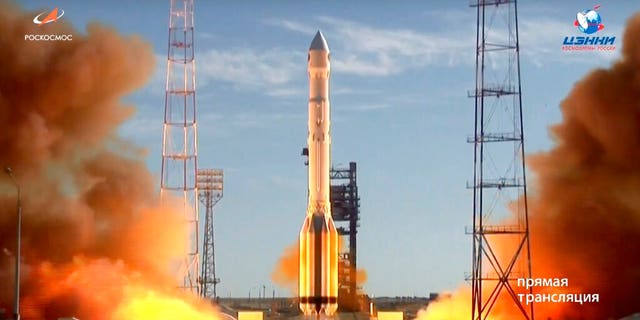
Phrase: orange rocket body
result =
(318, 273)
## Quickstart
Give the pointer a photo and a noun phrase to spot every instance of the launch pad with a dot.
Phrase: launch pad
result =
(287, 308)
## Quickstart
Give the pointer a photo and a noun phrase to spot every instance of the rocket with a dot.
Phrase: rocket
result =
(318, 265)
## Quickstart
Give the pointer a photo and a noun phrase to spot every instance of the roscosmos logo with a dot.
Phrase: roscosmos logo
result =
(46, 17)
(51, 17)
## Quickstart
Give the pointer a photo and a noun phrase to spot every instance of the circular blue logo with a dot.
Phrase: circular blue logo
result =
(589, 21)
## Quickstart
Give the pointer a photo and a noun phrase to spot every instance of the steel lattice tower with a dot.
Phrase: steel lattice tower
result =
(345, 207)
(501, 253)
(179, 141)
(210, 189)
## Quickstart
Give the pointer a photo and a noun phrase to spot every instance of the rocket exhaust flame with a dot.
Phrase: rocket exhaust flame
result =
(318, 251)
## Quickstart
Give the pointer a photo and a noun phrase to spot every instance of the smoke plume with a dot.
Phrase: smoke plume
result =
(586, 213)
(95, 242)
(585, 208)
(285, 273)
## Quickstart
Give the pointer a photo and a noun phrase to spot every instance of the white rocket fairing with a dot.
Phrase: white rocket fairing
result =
(318, 273)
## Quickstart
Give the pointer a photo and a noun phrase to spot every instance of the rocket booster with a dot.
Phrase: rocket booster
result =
(318, 273)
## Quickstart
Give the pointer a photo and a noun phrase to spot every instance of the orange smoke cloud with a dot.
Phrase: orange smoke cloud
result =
(285, 273)
(361, 277)
(448, 307)
(585, 211)
(586, 215)
(104, 289)
(96, 244)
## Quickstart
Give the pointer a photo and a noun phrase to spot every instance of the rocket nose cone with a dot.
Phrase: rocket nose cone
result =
(319, 43)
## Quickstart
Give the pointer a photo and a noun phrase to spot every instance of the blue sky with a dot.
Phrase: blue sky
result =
(400, 76)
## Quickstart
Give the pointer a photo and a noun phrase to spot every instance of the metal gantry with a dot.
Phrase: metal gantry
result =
(345, 207)
(501, 253)
(179, 140)
(210, 189)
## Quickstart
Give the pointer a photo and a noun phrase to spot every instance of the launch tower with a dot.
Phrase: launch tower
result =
(499, 165)
(179, 139)
(345, 208)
